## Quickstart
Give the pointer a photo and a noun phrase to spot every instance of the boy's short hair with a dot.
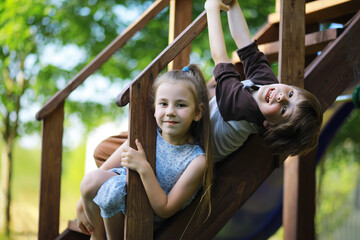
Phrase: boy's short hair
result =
(300, 134)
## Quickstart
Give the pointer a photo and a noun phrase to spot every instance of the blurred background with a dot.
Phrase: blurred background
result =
(45, 43)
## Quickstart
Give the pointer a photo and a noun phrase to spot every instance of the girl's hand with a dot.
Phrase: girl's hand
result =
(216, 4)
(135, 159)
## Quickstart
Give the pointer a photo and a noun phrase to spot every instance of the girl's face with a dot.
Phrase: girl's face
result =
(175, 110)
(277, 102)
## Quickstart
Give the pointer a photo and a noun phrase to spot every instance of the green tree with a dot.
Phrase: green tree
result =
(28, 26)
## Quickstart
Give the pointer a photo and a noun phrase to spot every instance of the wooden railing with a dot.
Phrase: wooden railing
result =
(52, 116)
(139, 216)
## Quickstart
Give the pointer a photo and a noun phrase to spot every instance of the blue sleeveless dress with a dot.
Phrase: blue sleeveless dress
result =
(171, 162)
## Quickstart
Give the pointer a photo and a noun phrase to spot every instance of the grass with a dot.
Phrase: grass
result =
(26, 185)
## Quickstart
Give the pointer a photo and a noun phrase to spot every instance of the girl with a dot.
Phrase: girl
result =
(182, 116)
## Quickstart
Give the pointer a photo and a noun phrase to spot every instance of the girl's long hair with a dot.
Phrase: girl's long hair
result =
(200, 130)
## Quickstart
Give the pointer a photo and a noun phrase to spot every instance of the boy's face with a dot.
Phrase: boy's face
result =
(277, 102)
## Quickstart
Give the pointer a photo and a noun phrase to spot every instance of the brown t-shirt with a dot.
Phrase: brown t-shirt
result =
(235, 101)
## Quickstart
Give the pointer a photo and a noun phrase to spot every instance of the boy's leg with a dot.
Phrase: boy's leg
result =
(89, 187)
(104, 150)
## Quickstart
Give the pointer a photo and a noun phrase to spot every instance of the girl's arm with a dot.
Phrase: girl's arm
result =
(164, 205)
(114, 161)
(238, 27)
(216, 36)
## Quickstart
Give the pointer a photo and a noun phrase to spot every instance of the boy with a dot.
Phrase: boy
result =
(289, 118)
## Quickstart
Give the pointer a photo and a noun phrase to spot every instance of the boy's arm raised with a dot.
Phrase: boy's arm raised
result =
(216, 36)
(238, 27)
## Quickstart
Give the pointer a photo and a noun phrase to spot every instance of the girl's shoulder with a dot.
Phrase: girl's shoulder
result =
(198, 150)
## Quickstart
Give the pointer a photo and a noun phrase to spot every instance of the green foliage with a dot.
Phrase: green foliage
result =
(28, 26)
(339, 179)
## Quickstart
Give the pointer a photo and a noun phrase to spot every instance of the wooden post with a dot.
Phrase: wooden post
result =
(299, 172)
(179, 19)
(292, 46)
(51, 157)
(142, 125)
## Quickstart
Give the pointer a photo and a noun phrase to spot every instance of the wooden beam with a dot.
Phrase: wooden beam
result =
(337, 66)
(101, 58)
(167, 55)
(51, 158)
(236, 179)
(299, 191)
(139, 214)
(314, 42)
(322, 10)
(299, 197)
(292, 46)
(180, 17)
(319, 11)
(268, 33)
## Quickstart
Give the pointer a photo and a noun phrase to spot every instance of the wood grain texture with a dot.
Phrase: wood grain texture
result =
(180, 18)
(51, 158)
(167, 55)
(100, 59)
(142, 125)
(236, 178)
(337, 66)
(320, 11)
(323, 10)
(292, 43)
(314, 42)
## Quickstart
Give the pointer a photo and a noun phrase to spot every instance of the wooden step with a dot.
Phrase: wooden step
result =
(320, 11)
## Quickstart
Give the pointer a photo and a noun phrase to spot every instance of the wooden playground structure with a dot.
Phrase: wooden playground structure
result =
(292, 36)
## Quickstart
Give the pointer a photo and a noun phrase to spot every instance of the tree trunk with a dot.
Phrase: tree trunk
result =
(5, 194)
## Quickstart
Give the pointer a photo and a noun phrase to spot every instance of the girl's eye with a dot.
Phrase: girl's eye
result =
(283, 110)
(163, 104)
(291, 94)
(181, 105)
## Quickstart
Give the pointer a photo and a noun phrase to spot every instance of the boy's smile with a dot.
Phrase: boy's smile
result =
(277, 102)
(269, 95)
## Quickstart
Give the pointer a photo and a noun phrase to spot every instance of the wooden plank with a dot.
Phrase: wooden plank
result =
(51, 157)
(316, 12)
(101, 58)
(139, 214)
(322, 10)
(236, 179)
(299, 197)
(268, 33)
(167, 55)
(314, 42)
(292, 46)
(337, 66)
(180, 18)
(297, 220)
